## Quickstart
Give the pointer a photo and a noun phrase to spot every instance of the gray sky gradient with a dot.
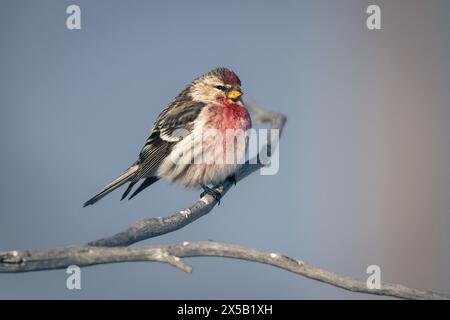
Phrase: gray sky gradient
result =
(364, 176)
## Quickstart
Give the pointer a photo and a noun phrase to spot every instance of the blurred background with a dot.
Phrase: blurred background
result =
(364, 175)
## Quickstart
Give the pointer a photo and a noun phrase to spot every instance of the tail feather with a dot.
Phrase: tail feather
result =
(130, 186)
(120, 180)
(147, 182)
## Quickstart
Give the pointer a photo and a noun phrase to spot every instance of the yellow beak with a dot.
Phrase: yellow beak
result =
(234, 94)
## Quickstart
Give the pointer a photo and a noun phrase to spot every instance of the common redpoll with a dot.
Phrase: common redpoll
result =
(210, 102)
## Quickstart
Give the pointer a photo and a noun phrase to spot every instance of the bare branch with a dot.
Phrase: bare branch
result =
(23, 261)
(35, 260)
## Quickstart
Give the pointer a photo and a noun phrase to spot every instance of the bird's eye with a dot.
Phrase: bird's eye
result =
(222, 88)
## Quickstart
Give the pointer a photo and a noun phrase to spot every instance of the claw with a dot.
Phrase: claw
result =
(207, 190)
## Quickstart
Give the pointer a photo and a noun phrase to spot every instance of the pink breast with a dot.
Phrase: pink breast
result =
(233, 116)
(225, 117)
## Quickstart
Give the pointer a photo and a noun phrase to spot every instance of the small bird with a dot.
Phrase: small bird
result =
(210, 102)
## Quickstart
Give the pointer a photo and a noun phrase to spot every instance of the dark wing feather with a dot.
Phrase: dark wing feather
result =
(179, 114)
(153, 153)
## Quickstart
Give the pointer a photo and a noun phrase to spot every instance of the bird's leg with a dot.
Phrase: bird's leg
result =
(232, 179)
(207, 190)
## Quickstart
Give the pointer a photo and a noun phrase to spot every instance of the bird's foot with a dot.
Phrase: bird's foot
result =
(215, 194)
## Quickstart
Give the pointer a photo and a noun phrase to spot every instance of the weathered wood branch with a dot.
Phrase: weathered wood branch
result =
(23, 261)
